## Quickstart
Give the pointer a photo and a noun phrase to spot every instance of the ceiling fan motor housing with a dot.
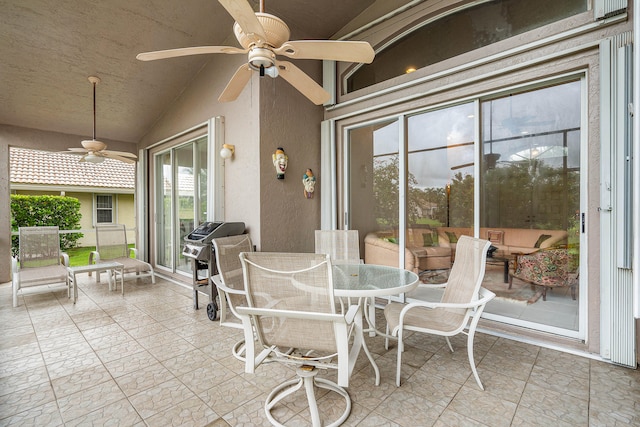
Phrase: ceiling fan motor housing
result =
(275, 29)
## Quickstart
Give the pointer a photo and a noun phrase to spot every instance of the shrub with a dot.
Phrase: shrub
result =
(34, 211)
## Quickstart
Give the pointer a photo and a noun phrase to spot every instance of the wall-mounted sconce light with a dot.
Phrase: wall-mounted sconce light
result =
(227, 151)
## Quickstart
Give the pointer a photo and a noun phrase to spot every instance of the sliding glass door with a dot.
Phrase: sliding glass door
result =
(506, 168)
(181, 199)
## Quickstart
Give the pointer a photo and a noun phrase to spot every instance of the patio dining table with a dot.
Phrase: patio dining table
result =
(367, 281)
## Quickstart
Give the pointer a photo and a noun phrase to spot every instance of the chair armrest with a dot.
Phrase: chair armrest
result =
(65, 258)
(14, 264)
(485, 297)
(217, 280)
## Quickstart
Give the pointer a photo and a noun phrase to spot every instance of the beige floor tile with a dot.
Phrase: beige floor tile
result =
(483, 407)
(82, 403)
(226, 397)
(27, 363)
(408, 409)
(555, 405)
(22, 380)
(72, 365)
(206, 377)
(44, 415)
(144, 378)
(131, 363)
(80, 380)
(160, 397)
(191, 412)
(26, 398)
(119, 413)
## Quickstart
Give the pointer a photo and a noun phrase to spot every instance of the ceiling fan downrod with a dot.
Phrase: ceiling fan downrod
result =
(94, 81)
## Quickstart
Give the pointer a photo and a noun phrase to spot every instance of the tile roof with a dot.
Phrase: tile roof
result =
(48, 168)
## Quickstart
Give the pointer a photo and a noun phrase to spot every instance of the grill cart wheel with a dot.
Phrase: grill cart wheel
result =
(212, 310)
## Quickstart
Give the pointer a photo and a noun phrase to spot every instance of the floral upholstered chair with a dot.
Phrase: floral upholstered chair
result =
(547, 268)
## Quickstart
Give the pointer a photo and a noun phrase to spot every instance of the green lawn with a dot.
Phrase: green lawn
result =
(80, 256)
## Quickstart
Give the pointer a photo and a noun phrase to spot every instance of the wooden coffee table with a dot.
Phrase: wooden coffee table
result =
(502, 260)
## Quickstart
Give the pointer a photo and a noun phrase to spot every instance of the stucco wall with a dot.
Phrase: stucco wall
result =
(267, 114)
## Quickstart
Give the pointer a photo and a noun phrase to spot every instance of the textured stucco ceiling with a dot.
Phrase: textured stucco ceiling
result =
(49, 48)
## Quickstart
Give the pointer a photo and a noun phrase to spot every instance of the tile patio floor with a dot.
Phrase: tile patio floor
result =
(150, 359)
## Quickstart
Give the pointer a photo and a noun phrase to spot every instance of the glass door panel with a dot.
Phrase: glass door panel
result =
(440, 149)
(373, 179)
(185, 205)
(181, 199)
(530, 202)
(164, 185)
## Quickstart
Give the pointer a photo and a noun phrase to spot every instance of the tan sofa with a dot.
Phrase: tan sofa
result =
(418, 258)
(509, 241)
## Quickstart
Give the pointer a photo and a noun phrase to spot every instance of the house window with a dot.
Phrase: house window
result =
(460, 32)
(104, 208)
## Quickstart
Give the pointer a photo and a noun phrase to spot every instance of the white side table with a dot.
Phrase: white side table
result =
(108, 266)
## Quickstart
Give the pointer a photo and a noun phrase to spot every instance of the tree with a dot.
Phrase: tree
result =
(34, 211)
(386, 185)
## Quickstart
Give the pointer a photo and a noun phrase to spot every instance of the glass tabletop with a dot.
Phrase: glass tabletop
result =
(369, 280)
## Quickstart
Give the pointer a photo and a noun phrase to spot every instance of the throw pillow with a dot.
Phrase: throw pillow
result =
(541, 239)
(429, 239)
(452, 236)
(390, 240)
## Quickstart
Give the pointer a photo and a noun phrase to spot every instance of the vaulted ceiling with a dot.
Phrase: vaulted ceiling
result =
(49, 48)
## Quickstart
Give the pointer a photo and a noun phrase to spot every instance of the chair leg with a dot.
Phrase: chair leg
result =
(472, 360)
(399, 357)
(307, 378)
(449, 344)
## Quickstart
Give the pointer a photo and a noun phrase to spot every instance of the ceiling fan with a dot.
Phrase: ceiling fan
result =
(95, 151)
(263, 36)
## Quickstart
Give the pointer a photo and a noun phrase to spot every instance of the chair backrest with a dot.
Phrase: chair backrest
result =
(227, 251)
(284, 282)
(39, 246)
(342, 245)
(467, 271)
(111, 241)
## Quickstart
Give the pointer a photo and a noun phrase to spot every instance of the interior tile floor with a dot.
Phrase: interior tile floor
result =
(150, 359)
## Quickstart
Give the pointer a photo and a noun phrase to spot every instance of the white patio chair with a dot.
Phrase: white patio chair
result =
(111, 245)
(230, 282)
(290, 305)
(40, 263)
(342, 245)
(460, 306)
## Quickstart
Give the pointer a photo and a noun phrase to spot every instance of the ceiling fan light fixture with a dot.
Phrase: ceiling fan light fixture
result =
(93, 158)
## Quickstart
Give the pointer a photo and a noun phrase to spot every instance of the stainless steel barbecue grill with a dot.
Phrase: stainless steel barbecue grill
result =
(198, 248)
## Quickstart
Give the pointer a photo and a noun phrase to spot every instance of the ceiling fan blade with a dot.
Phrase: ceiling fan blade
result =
(119, 153)
(302, 82)
(236, 84)
(246, 18)
(334, 50)
(120, 158)
(186, 51)
(74, 151)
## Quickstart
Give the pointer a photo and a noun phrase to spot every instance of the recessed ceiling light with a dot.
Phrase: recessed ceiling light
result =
(410, 70)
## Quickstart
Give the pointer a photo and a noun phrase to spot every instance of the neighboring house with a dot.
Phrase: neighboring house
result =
(105, 190)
